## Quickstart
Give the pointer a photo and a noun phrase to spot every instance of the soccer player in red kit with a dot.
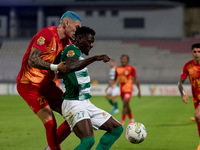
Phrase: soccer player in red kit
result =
(192, 69)
(125, 75)
(35, 79)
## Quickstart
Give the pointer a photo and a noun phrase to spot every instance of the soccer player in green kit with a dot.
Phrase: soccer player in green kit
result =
(79, 112)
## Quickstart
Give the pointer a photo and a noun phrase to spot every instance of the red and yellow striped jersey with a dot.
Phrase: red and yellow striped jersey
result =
(193, 71)
(47, 40)
(124, 76)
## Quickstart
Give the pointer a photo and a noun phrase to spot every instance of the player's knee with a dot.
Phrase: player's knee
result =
(110, 137)
(118, 131)
(88, 142)
(197, 117)
(126, 103)
(107, 97)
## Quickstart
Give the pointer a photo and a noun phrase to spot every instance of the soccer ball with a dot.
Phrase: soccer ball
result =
(135, 132)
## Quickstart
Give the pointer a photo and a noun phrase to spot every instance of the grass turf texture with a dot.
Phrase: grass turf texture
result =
(165, 118)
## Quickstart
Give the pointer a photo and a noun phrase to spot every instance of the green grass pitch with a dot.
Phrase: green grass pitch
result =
(166, 119)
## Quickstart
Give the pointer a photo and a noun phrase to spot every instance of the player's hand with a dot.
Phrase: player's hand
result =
(105, 58)
(185, 98)
(62, 67)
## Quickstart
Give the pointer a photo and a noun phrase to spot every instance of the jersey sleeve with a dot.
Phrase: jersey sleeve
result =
(70, 52)
(184, 72)
(133, 71)
(43, 38)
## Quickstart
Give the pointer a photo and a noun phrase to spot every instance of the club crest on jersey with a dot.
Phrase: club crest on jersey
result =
(70, 53)
(41, 40)
(126, 72)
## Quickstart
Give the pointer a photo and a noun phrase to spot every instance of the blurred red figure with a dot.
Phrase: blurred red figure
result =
(192, 69)
(124, 75)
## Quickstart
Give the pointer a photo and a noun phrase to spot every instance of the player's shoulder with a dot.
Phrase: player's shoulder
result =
(189, 62)
(118, 67)
(50, 29)
(47, 32)
(72, 47)
(71, 50)
(130, 67)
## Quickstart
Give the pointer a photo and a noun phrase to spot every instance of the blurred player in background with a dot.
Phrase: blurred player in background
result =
(192, 69)
(126, 74)
(35, 79)
(112, 91)
(77, 109)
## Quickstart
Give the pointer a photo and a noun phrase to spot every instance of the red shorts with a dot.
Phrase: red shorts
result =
(196, 102)
(39, 97)
(126, 95)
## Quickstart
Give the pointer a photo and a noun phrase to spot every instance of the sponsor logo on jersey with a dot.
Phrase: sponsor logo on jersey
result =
(104, 114)
(70, 53)
(127, 96)
(41, 40)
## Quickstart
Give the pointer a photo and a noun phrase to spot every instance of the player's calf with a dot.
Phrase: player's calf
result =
(108, 139)
(86, 143)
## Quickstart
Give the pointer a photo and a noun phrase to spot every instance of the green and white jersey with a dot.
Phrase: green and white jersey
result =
(112, 73)
(77, 84)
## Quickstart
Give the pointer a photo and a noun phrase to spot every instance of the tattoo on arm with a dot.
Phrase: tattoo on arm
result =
(180, 86)
(35, 60)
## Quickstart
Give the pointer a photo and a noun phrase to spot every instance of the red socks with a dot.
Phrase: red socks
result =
(123, 117)
(63, 131)
(51, 135)
(54, 139)
(130, 116)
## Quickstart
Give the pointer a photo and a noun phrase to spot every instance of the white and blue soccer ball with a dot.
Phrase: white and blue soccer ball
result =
(135, 132)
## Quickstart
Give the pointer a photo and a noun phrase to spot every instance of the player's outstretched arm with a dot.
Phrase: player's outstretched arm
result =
(73, 64)
(37, 62)
(185, 98)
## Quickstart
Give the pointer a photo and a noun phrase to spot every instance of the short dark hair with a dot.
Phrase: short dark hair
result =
(124, 55)
(84, 30)
(196, 45)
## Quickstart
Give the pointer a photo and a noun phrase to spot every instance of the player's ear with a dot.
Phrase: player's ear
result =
(66, 23)
(79, 38)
